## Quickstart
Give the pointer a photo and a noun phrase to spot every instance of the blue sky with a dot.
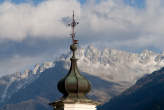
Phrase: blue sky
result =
(134, 3)
(82, 1)
(37, 33)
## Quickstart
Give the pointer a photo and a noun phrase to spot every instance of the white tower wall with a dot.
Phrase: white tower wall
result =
(78, 106)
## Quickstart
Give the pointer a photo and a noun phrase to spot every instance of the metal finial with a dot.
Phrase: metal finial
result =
(73, 25)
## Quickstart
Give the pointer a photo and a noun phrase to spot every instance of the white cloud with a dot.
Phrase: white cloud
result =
(109, 18)
(109, 22)
(127, 25)
(18, 21)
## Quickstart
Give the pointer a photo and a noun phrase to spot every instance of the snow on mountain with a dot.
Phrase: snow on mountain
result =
(116, 65)
(109, 64)
(12, 83)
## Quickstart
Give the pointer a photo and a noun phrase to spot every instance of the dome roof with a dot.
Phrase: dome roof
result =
(74, 85)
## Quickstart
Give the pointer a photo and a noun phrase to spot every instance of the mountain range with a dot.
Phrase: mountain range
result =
(110, 72)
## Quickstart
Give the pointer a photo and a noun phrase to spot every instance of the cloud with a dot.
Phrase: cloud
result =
(108, 19)
(28, 30)
(18, 21)
(124, 24)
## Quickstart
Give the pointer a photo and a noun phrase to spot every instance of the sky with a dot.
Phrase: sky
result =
(35, 31)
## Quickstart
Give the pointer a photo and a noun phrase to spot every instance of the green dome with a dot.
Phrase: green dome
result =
(74, 85)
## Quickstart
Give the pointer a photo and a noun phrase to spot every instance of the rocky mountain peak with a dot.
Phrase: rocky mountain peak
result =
(110, 65)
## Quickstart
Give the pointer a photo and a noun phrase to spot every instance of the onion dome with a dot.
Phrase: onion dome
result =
(74, 85)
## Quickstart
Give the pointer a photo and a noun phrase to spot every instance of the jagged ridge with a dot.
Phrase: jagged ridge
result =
(109, 64)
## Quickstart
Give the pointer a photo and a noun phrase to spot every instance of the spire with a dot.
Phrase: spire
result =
(74, 85)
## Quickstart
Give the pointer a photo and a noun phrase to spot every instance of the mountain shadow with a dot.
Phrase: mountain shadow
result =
(146, 94)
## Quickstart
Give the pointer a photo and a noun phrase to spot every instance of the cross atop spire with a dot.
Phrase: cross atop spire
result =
(73, 25)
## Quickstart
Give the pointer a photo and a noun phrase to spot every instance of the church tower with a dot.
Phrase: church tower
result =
(74, 86)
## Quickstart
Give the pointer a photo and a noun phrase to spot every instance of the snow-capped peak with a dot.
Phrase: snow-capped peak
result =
(26, 74)
(20, 80)
(45, 66)
(108, 64)
(116, 65)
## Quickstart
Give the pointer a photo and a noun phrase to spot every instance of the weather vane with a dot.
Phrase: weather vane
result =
(73, 25)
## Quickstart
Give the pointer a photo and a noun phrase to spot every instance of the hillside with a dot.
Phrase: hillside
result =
(44, 89)
(146, 94)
